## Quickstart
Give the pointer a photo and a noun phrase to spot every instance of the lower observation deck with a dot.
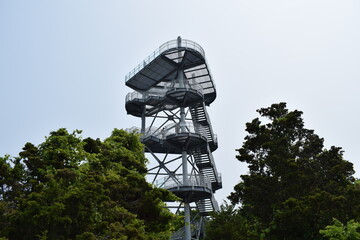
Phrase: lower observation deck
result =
(184, 97)
(197, 187)
(186, 140)
(194, 141)
(169, 139)
(175, 143)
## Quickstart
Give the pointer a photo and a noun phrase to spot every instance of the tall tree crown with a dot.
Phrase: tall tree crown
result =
(292, 177)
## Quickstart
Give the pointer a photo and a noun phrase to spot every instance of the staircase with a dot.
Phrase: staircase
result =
(200, 117)
(206, 206)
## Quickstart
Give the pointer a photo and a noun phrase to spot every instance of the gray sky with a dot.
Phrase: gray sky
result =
(63, 64)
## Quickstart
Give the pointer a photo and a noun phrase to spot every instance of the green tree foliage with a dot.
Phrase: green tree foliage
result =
(69, 188)
(295, 186)
(229, 224)
(339, 231)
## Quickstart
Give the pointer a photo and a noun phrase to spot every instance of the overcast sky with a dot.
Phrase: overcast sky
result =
(63, 64)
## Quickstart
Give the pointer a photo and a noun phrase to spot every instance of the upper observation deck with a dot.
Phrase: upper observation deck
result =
(170, 59)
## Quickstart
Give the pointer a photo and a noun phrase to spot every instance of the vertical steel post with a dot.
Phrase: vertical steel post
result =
(187, 221)
(187, 212)
(143, 122)
(181, 81)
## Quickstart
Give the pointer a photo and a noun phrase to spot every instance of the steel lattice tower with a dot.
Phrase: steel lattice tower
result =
(173, 87)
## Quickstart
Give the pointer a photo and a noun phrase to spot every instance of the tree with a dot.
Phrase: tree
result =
(228, 223)
(295, 186)
(339, 231)
(69, 188)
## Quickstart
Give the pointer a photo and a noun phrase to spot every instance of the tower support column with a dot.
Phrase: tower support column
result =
(187, 212)
(187, 221)
(143, 121)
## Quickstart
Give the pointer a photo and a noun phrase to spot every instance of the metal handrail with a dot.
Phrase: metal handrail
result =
(174, 128)
(156, 92)
(188, 44)
(192, 180)
(219, 177)
(189, 84)
(161, 92)
(133, 95)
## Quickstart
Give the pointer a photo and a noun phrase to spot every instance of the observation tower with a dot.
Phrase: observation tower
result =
(172, 89)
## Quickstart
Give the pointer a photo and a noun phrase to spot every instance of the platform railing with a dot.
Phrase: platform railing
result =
(137, 95)
(133, 95)
(164, 47)
(188, 84)
(192, 180)
(215, 139)
(219, 178)
(161, 92)
(174, 128)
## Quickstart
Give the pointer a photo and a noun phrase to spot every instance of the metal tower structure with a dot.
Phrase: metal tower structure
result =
(173, 87)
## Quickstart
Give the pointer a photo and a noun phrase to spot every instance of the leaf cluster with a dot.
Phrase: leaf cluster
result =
(340, 231)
